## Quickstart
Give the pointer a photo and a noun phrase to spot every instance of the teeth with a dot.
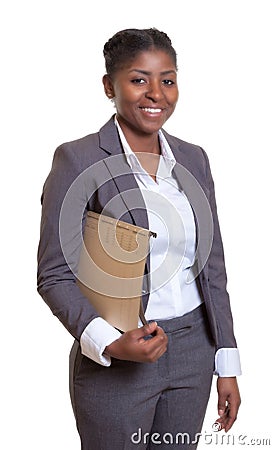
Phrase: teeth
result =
(152, 110)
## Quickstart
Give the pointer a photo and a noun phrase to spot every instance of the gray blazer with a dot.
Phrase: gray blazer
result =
(57, 282)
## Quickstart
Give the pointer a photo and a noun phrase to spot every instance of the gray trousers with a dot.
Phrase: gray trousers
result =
(147, 405)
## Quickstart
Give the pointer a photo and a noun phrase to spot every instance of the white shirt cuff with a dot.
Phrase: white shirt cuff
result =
(227, 362)
(95, 337)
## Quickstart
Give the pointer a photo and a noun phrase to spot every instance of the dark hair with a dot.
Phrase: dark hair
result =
(126, 44)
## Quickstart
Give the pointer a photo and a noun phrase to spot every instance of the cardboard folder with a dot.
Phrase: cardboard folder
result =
(111, 269)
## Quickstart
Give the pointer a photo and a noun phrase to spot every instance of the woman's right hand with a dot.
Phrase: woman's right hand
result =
(132, 346)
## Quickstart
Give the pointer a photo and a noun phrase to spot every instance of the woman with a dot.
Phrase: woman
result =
(147, 387)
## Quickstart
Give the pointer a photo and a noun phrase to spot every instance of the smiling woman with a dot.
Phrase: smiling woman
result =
(156, 378)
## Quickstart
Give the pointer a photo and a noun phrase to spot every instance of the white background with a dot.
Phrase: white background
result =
(51, 92)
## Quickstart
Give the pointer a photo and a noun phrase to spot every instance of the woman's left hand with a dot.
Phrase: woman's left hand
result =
(229, 401)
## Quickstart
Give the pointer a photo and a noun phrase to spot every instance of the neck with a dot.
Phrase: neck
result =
(146, 144)
(141, 142)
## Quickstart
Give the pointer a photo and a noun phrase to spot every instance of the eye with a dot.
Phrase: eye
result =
(168, 82)
(138, 81)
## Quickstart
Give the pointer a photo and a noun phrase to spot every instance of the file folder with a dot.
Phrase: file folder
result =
(111, 269)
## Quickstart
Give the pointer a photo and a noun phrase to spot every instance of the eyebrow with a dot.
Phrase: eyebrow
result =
(144, 72)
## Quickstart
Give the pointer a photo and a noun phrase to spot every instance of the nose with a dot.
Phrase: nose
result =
(154, 91)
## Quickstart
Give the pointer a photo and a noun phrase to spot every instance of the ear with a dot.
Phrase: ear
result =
(108, 86)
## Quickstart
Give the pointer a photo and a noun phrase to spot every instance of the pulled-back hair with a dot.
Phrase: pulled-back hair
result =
(126, 44)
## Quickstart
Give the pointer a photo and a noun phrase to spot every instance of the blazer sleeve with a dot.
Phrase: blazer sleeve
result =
(217, 277)
(56, 281)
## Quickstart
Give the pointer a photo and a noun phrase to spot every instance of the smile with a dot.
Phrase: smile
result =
(152, 110)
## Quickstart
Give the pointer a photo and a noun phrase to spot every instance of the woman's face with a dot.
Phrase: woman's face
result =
(145, 92)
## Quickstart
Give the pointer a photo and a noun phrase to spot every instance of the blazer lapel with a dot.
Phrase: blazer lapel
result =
(122, 174)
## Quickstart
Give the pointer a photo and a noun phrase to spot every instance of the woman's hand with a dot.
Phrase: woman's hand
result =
(229, 401)
(132, 346)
